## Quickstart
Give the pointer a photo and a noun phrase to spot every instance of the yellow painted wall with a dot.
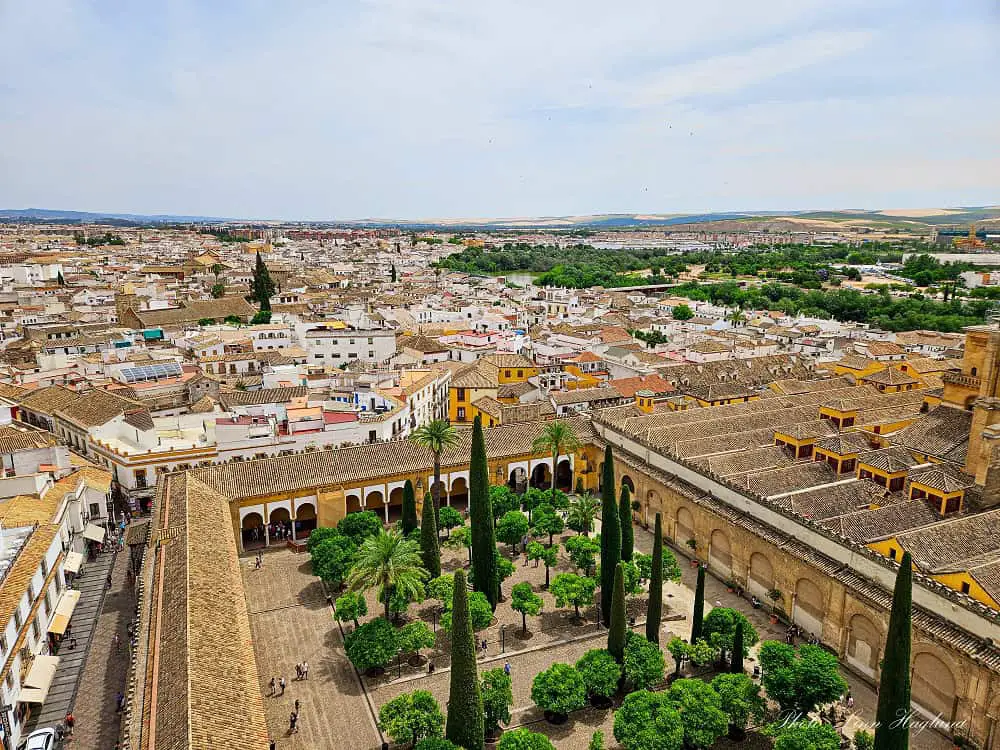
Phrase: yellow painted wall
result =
(955, 581)
(516, 374)
(871, 369)
(471, 395)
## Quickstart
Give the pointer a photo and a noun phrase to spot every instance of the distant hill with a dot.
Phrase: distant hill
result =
(886, 219)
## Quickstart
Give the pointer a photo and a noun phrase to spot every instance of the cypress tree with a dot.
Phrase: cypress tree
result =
(617, 628)
(429, 549)
(654, 610)
(736, 661)
(611, 535)
(625, 519)
(699, 606)
(485, 576)
(261, 286)
(894, 682)
(409, 508)
(465, 725)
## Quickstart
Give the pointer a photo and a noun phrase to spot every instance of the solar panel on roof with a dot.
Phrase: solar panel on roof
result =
(151, 372)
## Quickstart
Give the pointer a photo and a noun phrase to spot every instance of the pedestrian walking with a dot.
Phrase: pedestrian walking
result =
(296, 706)
(272, 745)
(70, 723)
(293, 721)
(281, 684)
(298, 671)
(119, 702)
(116, 641)
(305, 670)
(109, 580)
(270, 686)
(506, 668)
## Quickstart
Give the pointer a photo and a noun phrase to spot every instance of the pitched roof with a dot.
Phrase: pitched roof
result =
(48, 400)
(263, 396)
(98, 407)
(937, 433)
(949, 545)
(192, 311)
(890, 460)
(889, 376)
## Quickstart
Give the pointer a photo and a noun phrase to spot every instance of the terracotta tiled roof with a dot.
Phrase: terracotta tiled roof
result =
(890, 460)
(97, 407)
(870, 525)
(947, 546)
(14, 439)
(584, 395)
(363, 462)
(48, 400)
(889, 376)
(208, 687)
(263, 396)
(938, 433)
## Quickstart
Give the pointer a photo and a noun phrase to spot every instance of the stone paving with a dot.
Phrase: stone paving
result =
(91, 584)
(291, 622)
(98, 722)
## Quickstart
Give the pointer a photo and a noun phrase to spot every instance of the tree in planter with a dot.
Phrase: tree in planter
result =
(611, 534)
(436, 436)
(359, 526)
(558, 438)
(678, 649)
(409, 511)
(719, 629)
(450, 518)
(807, 735)
(643, 662)
(698, 615)
(894, 682)
(351, 606)
(774, 595)
(461, 538)
(701, 653)
(484, 546)
(617, 626)
(524, 739)
(546, 521)
(332, 559)
(415, 637)
(465, 704)
(863, 740)
(503, 501)
(401, 599)
(391, 564)
(701, 712)
(583, 551)
(512, 528)
(498, 697)
(740, 700)
(571, 589)
(559, 690)
(648, 721)
(526, 601)
(548, 556)
(442, 588)
(654, 609)
(411, 717)
(371, 645)
(430, 550)
(625, 521)
(600, 672)
(800, 681)
(480, 612)
(320, 534)
(583, 509)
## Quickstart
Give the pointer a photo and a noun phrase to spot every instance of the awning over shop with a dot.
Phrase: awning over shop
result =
(64, 611)
(73, 562)
(39, 679)
(93, 533)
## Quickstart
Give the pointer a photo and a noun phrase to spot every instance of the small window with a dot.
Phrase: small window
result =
(973, 372)
(965, 587)
(892, 553)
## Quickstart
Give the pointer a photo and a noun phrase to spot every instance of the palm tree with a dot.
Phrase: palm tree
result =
(735, 316)
(436, 436)
(558, 438)
(391, 563)
(583, 509)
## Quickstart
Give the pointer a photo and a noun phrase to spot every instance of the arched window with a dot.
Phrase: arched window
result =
(973, 372)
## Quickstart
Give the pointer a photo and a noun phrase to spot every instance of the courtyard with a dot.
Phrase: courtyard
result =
(292, 622)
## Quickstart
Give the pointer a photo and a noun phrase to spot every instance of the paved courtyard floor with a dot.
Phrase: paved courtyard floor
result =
(292, 622)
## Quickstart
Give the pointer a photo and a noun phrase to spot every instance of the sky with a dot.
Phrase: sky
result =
(417, 109)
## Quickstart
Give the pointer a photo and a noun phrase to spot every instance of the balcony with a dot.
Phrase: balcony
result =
(957, 378)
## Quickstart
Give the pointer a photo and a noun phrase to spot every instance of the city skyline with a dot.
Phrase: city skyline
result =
(406, 110)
